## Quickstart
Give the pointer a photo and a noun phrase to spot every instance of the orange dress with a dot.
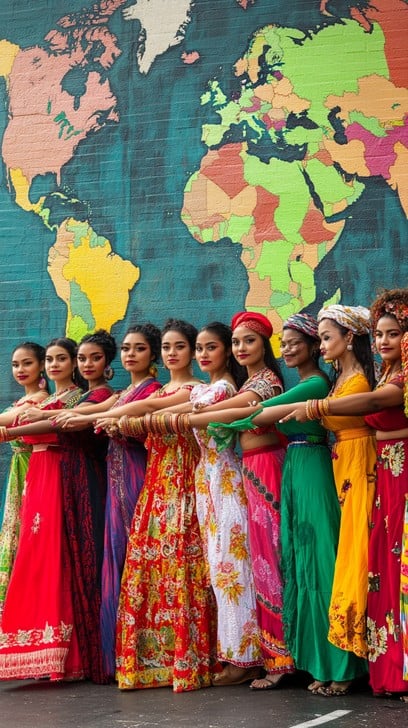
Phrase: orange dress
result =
(166, 620)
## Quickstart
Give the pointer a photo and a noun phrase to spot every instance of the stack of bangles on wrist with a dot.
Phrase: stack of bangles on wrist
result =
(317, 408)
(5, 435)
(159, 424)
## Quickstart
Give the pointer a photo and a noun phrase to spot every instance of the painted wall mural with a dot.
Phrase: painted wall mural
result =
(194, 157)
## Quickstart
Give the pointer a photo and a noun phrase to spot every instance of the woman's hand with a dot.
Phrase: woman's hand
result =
(298, 414)
(77, 422)
(32, 414)
(109, 424)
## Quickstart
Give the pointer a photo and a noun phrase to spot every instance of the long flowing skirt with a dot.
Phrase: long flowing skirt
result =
(404, 590)
(262, 471)
(354, 473)
(10, 528)
(385, 636)
(222, 513)
(166, 623)
(38, 638)
(126, 471)
(84, 491)
(310, 516)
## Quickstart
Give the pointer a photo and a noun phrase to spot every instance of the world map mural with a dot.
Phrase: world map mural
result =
(193, 158)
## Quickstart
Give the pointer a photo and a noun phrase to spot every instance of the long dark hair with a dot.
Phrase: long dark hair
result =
(270, 360)
(224, 334)
(71, 348)
(362, 351)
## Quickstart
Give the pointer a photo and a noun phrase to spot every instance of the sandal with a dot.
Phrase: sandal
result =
(268, 682)
(334, 690)
(315, 685)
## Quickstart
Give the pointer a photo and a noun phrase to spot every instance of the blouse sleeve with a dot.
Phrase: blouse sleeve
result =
(204, 395)
(313, 388)
(262, 384)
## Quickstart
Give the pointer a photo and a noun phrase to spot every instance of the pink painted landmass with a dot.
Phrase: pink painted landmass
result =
(190, 58)
(379, 153)
(44, 127)
(245, 3)
(46, 123)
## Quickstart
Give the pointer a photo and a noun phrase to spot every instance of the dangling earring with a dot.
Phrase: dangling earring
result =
(153, 369)
(349, 347)
(108, 373)
(42, 382)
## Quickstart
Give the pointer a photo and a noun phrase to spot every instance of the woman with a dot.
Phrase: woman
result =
(126, 465)
(344, 335)
(165, 616)
(83, 469)
(222, 514)
(83, 464)
(384, 410)
(263, 455)
(310, 513)
(38, 634)
(27, 364)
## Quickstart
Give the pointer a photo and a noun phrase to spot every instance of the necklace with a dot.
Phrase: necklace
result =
(57, 395)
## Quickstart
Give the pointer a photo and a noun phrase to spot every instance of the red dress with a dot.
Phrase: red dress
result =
(37, 636)
(384, 634)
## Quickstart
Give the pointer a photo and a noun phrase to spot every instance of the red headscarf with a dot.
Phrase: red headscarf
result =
(254, 321)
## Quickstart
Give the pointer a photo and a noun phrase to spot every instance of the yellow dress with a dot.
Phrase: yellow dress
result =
(354, 457)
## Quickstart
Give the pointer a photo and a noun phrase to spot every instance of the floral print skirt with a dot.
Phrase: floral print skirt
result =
(385, 636)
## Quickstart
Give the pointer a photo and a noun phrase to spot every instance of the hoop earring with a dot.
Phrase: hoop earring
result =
(108, 373)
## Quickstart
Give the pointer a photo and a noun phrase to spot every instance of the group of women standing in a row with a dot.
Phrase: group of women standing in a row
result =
(181, 564)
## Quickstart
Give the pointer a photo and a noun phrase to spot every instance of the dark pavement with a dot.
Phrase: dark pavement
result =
(84, 705)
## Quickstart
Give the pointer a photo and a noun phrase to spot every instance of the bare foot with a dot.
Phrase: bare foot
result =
(233, 675)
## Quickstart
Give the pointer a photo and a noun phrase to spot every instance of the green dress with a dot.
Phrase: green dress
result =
(310, 518)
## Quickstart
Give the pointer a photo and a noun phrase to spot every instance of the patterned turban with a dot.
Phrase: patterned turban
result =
(254, 321)
(304, 323)
(354, 318)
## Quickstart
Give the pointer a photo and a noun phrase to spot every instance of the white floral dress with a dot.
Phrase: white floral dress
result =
(222, 514)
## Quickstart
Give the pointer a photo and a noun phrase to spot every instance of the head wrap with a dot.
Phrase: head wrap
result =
(304, 323)
(354, 318)
(254, 321)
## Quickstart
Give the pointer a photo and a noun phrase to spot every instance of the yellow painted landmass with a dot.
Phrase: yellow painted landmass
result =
(21, 188)
(8, 52)
(102, 276)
